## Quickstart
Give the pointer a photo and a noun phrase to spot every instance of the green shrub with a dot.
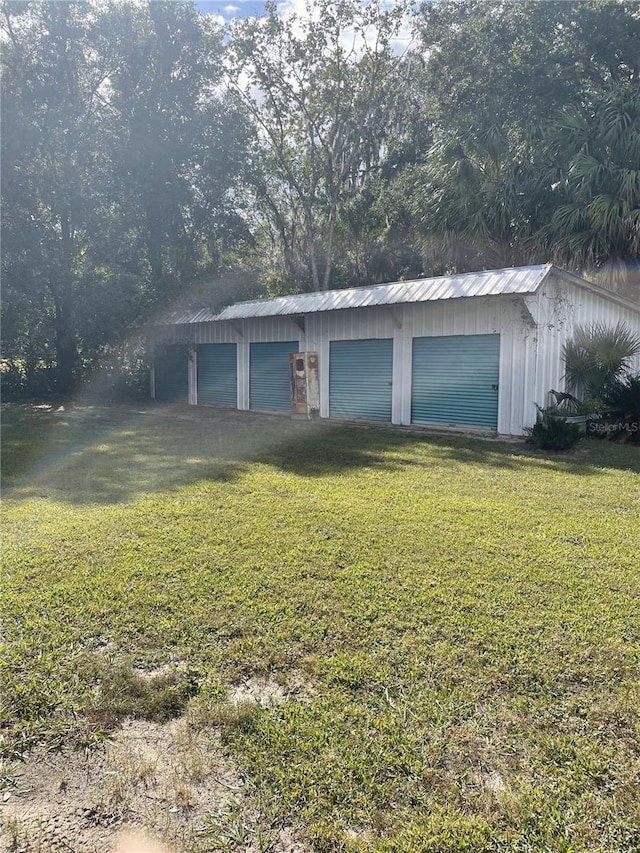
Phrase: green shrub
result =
(622, 407)
(553, 433)
(22, 381)
(597, 359)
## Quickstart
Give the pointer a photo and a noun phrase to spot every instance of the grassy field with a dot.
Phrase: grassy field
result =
(463, 616)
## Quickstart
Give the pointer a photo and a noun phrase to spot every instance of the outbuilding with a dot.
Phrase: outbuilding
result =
(474, 351)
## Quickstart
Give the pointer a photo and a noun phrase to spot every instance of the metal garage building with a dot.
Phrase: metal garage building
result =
(471, 351)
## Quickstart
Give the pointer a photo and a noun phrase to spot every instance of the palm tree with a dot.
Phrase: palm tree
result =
(595, 175)
(475, 200)
(597, 359)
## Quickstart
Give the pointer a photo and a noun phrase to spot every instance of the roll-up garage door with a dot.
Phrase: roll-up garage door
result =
(171, 374)
(217, 375)
(269, 387)
(360, 379)
(455, 380)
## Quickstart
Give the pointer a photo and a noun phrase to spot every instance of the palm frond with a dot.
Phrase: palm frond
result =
(629, 185)
(597, 356)
(606, 212)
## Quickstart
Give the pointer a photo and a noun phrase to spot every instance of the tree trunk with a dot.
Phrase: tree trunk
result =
(154, 253)
(328, 256)
(311, 248)
(66, 349)
(66, 345)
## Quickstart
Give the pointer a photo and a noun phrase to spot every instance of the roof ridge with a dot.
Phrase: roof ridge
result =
(509, 280)
(311, 293)
(506, 282)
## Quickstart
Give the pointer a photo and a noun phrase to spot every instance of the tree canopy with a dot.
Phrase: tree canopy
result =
(150, 155)
(121, 163)
(323, 94)
(534, 154)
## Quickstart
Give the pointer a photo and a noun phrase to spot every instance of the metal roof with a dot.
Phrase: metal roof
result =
(202, 315)
(512, 280)
(489, 283)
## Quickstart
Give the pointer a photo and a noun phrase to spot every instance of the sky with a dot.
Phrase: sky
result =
(231, 8)
(226, 10)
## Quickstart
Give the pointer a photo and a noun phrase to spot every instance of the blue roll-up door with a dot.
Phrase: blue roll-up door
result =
(269, 386)
(217, 375)
(171, 371)
(455, 380)
(360, 379)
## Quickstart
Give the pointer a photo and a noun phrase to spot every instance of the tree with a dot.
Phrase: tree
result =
(321, 92)
(478, 201)
(121, 156)
(510, 87)
(595, 152)
(52, 162)
(180, 151)
(513, 64)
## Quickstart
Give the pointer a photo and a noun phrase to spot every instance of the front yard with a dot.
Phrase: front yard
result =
(401, 641)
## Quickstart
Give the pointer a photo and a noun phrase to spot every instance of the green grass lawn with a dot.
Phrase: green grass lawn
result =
(464, 613)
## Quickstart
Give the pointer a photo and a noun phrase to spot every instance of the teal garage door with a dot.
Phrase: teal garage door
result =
(269, 386)
(217, 375)
(455, 380)
(171, 374)
(360, 379)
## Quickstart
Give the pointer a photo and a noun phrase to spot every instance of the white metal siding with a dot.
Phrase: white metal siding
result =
(214, 333)
(488, 315)
(501, 316)
(532, 327)
(560, 308)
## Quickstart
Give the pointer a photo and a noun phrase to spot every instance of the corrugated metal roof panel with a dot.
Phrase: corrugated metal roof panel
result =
(203, 315)
(512, 280)
(489, 283)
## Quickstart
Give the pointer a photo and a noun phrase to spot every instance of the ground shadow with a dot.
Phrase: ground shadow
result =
(111, 454)
(332, 447)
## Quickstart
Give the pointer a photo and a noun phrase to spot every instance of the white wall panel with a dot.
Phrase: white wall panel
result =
(493, 315)
(401, 398)
(243, 374)
(454, 317)
(272, 329)
(192, 377)
(317, 338)
(518, 342)
(561, 307)
(214, 333)
(532, 328)
(361, 323)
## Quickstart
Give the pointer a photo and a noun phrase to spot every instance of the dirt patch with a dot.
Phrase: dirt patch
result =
(267, 692)
(167, 786)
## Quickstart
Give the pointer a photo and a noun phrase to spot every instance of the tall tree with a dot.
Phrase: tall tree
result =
(512, 64)
(53, 160)
(495, 186)
(120, 164)
(595, 157)
(478, 200)
(321, 90)
(179, 154)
